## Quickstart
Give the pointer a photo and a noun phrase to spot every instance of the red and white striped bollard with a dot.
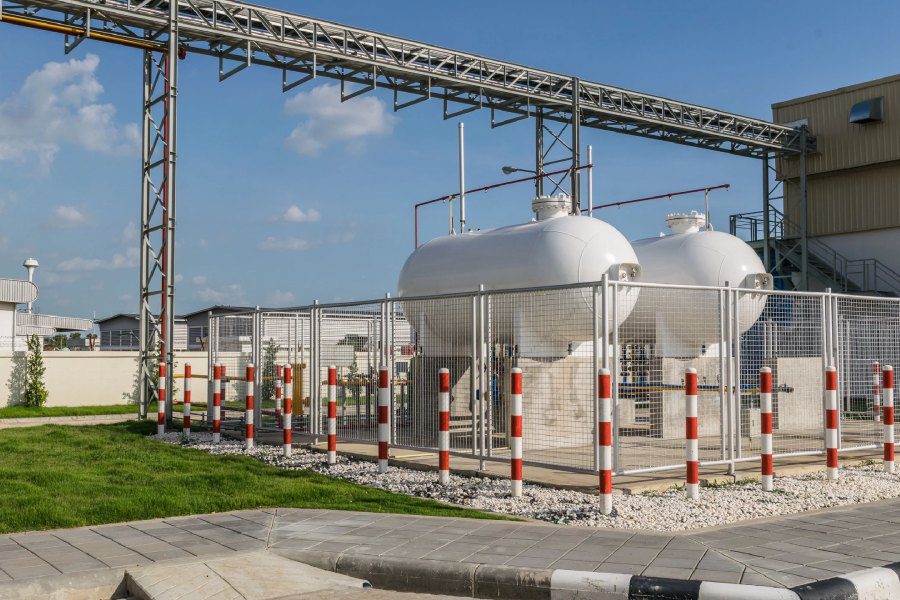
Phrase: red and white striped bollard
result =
(287, 424)
(887, 413)
(278, 392)
(217, 404)
(332, 415)
(691, 433)
(384, 404)
(444, 426)
(515, 432)
(161, 401)
(249, 406)
(765, 429)
(831, 423)
(604, 425)
(876, 391)
(186, 416)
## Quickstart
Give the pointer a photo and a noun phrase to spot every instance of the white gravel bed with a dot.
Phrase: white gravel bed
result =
(663, 511)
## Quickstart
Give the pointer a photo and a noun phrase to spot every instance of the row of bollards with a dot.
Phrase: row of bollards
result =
(882, 395)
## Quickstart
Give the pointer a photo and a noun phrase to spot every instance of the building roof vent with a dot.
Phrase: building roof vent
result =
(867, 111)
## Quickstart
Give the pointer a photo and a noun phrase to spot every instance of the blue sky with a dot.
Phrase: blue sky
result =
(288, 198)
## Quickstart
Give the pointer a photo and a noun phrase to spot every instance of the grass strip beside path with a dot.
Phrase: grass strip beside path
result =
(30, 412)
(55, 476)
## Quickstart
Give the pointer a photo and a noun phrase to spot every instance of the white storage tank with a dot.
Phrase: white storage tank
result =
(686, 324)
(557, 248)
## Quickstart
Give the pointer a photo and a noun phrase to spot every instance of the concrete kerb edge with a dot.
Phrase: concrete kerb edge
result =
(474, 580)
(108, 582)
(88, 585)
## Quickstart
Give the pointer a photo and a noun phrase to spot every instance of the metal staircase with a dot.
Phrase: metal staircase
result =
(826, 265)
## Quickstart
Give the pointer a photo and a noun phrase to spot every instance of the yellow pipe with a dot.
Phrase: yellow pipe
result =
(69, 30)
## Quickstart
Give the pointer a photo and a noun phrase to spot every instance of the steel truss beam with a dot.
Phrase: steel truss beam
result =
(303, 48)
(278, 39)
(157, 249)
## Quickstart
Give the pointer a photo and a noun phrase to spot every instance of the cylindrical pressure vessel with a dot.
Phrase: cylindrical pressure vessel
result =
(555, 249)
(685, 323)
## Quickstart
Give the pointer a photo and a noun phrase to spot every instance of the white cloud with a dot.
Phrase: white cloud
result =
(198, 280)
(290, 243)
(58, 105)
(295, 214)
(130, 233)
(50, 277)
(279, 298)
(229, 294)
(128, 260)
(179, 278)
(329, 121)
(285, 243)
(67, 217)
(341, 238)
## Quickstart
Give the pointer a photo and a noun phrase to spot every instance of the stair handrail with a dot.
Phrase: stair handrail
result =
(875, 275)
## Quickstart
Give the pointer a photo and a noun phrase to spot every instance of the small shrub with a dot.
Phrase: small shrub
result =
(35, 392)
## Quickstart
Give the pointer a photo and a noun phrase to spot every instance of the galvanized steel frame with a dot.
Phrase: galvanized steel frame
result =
(240, 35)
(606, 352)
(157, 229)
(307, 47)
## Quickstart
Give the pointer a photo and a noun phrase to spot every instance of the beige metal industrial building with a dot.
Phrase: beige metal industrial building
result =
(853, 189)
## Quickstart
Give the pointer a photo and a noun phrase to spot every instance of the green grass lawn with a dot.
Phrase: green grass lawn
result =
(24, 412)
(56, 476)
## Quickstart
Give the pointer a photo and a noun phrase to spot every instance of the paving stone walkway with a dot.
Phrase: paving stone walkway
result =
(783, 551)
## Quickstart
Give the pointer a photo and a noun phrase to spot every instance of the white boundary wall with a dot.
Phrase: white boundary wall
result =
(91, 378)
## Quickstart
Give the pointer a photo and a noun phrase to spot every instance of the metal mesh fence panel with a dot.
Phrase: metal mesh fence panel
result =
(352, 339)
(282, 336)
(647, 335)
(233, 349)
(429, 335)
(660, 333)
(867, 331)
(549, 334)
(782, 331)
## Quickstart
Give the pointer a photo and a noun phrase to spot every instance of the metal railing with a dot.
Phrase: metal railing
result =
(866, 274)
(646, 334)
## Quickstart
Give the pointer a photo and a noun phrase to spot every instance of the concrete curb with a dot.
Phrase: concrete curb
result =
(89, 585)
(69, 420)
(474, 580)
(876, 583)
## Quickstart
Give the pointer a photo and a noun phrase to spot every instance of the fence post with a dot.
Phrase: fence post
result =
(161, 400)
(876, 391)
(887, 413)
(249, 409)
(278, 392)
(332, 415)
(604, 426)
(217, 404)
(287, 426)
(765, 429)
(384, 403)
(444, 426)
(515, 432)
(186, 418)
(691, 431)
(831, 423)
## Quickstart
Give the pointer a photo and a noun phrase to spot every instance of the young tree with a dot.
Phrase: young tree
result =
(267, 372)
(35, 393)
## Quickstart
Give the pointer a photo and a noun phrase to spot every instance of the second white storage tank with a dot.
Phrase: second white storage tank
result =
(683, 323)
